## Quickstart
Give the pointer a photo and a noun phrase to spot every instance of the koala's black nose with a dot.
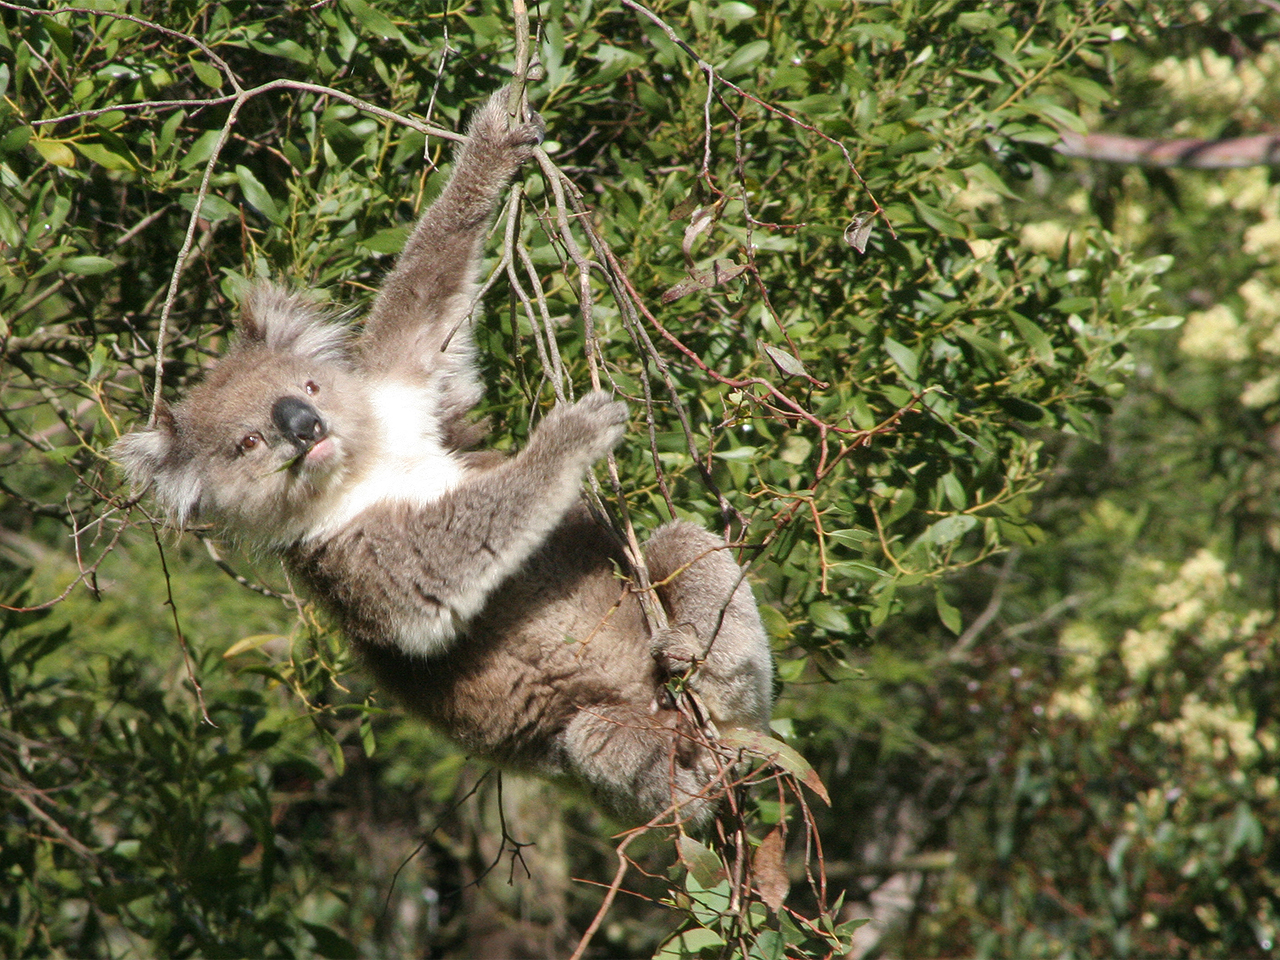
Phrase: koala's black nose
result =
(299, 421)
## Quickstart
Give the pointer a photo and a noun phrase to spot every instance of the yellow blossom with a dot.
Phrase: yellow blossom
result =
(1078, 703)
(1211, 732)
(1186, 614)
(976, 196)
(1046, 236)
(1262, 240)
(1261, 393)
(983, 249)
(1214, 334)
(1261, 302)
(1084, 647)
(1250, 189)
(1143, 650)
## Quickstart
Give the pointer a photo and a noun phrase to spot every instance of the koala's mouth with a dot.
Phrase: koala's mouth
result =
(322, 451)
(312, 455)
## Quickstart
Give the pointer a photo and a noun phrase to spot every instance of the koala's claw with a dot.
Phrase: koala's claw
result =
(532, 133)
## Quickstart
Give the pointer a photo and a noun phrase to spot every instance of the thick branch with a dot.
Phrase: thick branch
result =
(1255, 151)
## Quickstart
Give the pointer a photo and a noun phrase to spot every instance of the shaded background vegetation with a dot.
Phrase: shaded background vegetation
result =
(1005, 479)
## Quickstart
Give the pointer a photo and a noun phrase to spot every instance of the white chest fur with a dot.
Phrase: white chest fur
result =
(409, 464)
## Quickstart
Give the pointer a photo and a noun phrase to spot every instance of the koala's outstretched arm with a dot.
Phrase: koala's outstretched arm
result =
(439, 563)
(430, 290)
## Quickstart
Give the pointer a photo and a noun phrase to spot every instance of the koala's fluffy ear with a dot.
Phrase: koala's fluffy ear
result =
(278, 319)
(152, 457)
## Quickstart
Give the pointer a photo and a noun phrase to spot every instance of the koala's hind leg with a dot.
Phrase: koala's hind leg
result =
(638, 762)
(714, 633)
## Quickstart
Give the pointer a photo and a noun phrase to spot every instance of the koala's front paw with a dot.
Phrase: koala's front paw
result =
(528, 134)
(605, 417)
(492, 128)
(588, 430)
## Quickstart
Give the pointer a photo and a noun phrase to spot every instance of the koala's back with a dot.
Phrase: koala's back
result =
(558, 637)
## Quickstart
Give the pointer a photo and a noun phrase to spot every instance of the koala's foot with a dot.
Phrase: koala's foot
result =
(701, 775)
(639, 763)
(676, 649)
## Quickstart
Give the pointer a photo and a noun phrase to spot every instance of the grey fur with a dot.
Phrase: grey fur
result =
(478, 589)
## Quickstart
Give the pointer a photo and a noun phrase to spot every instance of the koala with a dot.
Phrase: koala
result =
(477, 588)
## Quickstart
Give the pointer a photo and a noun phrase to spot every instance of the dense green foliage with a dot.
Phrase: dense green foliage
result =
(1015, 531)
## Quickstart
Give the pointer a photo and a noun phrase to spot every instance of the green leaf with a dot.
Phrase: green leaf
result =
(949, 529)
(778, 753)
(737, 453)
(15, 139)
(769, 945)
(944, 223)
(1039, 342)
(985, 346)
(201, 150)
(745, 57)
(903, 357)
(208, 74)
(775, 624)
(87, 266)
(213, 208)
(854, 537)
(1053, 113)
(733, 13)
(331, 944)
(105, 157)
(787, 365)
(817, 105)
(257, 194)
(388, 240)
(54, 151)
(689, 943)
(615, 61)
(948, 614)
(169, 130)
(252, 643)
(703, 863)
(830, 617)
(372, 20)
(334, 749)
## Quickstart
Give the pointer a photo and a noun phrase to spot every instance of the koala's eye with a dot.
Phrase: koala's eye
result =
(311, 387)
(248, 442)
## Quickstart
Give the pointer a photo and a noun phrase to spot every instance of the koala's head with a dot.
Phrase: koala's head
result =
(260, 446)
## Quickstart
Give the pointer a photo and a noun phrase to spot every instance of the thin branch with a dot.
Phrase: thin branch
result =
(148, 24)
(771, 108)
